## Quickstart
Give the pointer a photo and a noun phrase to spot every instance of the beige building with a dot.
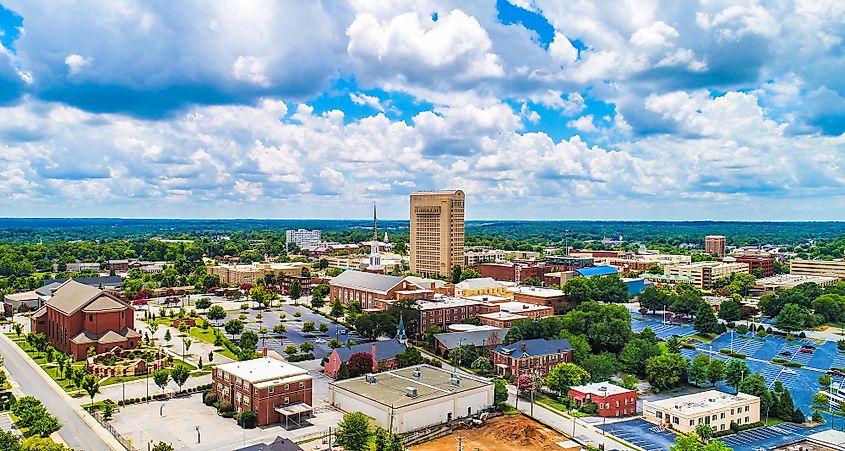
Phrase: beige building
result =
(437, 231)
(715, 244)
(829, 268)
(703, 274)
(241, 274)
(715, 408)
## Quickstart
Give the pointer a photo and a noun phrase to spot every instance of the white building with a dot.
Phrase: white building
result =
(302, 237)
(412, 398)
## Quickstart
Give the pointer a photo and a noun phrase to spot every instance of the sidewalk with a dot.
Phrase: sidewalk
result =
(199, 348)
(138, 389)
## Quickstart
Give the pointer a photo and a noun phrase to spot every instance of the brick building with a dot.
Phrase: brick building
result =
(537, 356)
(443, 311)
(763, 261)
(276, 391)
(503, 320)
(612, 400)
(369, 289)
(513, 272)
(79, 317)
(548, 297)
(383, 352)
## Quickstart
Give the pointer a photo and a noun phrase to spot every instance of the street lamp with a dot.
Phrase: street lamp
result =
(198, 434)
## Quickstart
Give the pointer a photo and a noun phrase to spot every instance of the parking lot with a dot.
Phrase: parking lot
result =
(293, 325)
(767, 437)
(663, 330)
(641, 433)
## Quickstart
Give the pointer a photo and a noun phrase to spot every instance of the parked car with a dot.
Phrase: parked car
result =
(785, 353)
(808, 346)
(836, 373)
(806, 350)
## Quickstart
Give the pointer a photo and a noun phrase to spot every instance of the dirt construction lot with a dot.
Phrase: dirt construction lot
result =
(510, 432)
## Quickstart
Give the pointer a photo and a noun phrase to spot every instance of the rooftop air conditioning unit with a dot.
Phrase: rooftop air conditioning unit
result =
(417, 373)
(455, 381)
(411, 392)
(371, 378)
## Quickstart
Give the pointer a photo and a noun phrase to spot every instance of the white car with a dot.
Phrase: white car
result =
(320, 340)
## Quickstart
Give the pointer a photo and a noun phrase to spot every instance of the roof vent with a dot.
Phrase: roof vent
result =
(371, 378)
(411, 392)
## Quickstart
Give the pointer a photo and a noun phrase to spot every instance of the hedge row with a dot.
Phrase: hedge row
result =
(160, 396)
(728, 352)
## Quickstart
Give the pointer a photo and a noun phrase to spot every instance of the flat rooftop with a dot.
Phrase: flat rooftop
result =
(517, 307)
(502, 316)
(390, 387)
(791, 280)
(445, 302)
(595, 389)
(702, 402)
(263, 369)
(536, 291)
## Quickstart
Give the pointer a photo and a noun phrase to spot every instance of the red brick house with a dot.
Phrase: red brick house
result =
(513, 272)
(383, 352)
(368, 289)
(276, 391)
(79, 317)
(537, 356)
(612, 400)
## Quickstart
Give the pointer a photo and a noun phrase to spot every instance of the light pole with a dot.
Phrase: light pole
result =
(603, 390)
(198, 434)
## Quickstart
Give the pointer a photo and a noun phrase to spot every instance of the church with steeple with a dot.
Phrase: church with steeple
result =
(374, 260)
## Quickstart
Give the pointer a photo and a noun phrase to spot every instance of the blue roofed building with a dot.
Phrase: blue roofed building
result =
(532, 357)
(597, 271)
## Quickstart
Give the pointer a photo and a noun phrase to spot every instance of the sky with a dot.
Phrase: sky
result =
(537, 109)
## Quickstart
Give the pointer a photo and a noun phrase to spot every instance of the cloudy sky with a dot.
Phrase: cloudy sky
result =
(540, 109)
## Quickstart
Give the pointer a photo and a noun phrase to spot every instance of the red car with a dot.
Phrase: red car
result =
(806, 350)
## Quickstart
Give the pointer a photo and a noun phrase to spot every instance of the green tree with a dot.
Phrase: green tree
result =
(785, 407)
(634, 355)
(830, 306)
(9, 441)
(716, 371)
(755, 384)
(215, 313)
(821, 399)
(202, 303)
(565, 375)
(234, 327)
(456, 274)
(180, 374)
(601, 367)
(167, 336)
(463, 355)
(705, 321)
(729, 311)
(654, 298)
(337, 309)
(609, 289)
(161, 446)
(664, 371)
(91, 386)
(306, 347)
(825, 380)
(334, 343)
(698, 371)
(161, 377)
(791, 318)
(735, 371)
(295, 291)
(704, 431)
(279, 329)
(247, 343)
(500, 392)
(482, 366)
(409, 357)
(353, 432)
(579, 289)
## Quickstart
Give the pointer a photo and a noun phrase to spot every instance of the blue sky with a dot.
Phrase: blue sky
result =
(539, 109)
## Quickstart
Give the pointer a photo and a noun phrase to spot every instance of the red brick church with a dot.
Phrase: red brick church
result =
(79, 316)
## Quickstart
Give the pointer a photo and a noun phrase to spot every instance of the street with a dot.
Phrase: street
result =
(75, 432)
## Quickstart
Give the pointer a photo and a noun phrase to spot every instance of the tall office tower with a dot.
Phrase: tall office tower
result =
(437, 231)
(715, 244)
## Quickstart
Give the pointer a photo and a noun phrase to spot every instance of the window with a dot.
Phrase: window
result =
(271, 390)
(246, 400)
(746, 419)
(90, 317)
(714, 416)
(722, 416)
(287, 400)
(691, 422)
(301, 384)
(238, 398)
(287, 386)
(219, 387)
(746, 408)
(722, 427)
(660, 415)
(732, 412)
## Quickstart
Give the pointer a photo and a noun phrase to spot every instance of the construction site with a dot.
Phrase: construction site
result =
(511, 432)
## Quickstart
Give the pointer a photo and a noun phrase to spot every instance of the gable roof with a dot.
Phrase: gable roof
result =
(280, 444)
(385, 350)
(534, 348)
(72, 296)
(47, 289)
(597, 271)
(452, 340)
(366, 281)
(110, 281)
(104, 303)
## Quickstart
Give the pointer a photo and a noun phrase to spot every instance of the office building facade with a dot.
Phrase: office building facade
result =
(437, 231)
(715, 244)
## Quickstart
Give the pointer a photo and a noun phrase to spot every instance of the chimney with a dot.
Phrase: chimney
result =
(522, 346)
(264, 351)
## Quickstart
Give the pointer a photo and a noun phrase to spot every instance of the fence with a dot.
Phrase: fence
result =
(121, 439)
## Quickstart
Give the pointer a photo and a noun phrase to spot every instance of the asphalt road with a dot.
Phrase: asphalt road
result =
(75, 432)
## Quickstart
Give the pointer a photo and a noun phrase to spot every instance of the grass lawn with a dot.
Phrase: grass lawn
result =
(557, 407)
(120, 379)
(773, 421)
(207, 335)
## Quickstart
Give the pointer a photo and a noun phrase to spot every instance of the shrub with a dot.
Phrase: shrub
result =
(793, 364)
(209, 398)
(802, 335)
(247, 419)
(762, 333)
(226, 406)
(590, 408)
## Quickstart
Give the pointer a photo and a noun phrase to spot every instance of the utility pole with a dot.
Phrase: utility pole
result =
(460, 440)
